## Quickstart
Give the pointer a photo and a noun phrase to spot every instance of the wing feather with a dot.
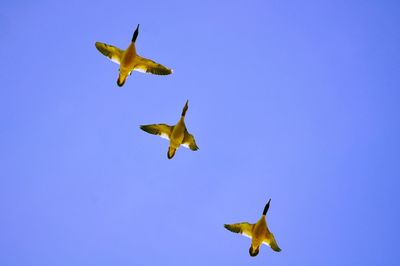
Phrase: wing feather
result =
(189, 142)
(270, 241)
(149, 66)
(112, 52)
(245, 228)
(162, 130)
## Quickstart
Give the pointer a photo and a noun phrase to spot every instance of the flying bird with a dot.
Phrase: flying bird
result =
(177, 135)
(129, 60)
(258, 232)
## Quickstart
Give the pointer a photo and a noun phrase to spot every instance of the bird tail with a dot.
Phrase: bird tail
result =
(266, 207)
(135, 34)
(185, 108)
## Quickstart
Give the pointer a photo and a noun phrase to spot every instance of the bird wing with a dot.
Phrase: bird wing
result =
(270, 241)
(162, 130)
(112, 52)
(189, 142)
(148, 66)
(245, 229)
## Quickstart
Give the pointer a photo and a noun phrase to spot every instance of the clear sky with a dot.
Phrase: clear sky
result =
(297, 101)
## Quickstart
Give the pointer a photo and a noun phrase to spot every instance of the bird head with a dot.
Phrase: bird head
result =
(121, 80)
(254, 252)
(171, 152)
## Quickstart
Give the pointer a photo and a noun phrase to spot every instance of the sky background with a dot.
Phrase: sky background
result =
(297, 101)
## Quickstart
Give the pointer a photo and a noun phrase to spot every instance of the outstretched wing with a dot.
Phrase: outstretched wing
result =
(189, 142)
(112, 52)
(245, 229)
(270, 241)
(162, 130)
(148, 66)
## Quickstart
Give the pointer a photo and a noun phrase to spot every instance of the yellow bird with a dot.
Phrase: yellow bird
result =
(258, 233)
(129, 60)
(177, 135)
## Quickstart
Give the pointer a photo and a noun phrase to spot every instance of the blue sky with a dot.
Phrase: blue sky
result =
(291, 100)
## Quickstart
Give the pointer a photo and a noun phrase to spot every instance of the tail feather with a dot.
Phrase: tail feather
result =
(185, 108)
(266, 207)
(135, 34)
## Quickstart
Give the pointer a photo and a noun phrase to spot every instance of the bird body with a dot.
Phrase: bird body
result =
(260, 230)
(127, 63)
(177, 135)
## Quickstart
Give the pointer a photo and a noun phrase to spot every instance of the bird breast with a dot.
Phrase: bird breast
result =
(178, 134)
(128, 58)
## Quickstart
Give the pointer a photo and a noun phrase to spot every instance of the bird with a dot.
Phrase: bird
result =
(258, 232)
(129, 60)
(177, 135)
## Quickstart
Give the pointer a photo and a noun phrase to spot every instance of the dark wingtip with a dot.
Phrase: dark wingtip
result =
(99, 47)
(266, 207)
(135, 34)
